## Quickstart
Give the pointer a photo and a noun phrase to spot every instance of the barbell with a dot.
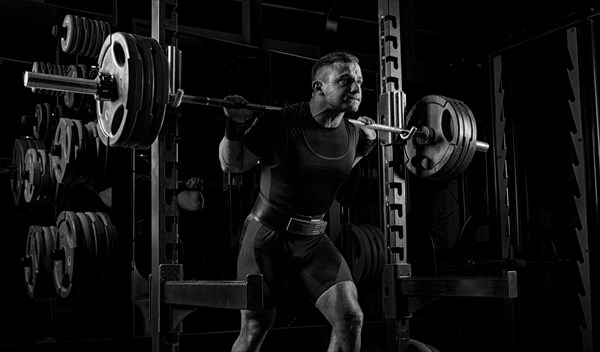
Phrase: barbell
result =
(132, 93)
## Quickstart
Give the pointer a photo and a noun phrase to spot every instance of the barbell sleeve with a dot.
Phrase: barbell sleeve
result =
(60, 83)
(481, 146)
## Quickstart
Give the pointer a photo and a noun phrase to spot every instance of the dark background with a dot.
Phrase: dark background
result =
(447, 48)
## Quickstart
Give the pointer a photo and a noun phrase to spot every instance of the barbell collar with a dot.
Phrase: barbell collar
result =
(102, 89)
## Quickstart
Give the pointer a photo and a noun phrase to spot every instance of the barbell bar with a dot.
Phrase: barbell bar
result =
(101, 89)
(132, 92)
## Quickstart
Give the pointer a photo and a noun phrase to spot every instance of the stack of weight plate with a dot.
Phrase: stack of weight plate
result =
(75, 258)
(26, 175)
(362, 246)
(140, 67)
(38, 264)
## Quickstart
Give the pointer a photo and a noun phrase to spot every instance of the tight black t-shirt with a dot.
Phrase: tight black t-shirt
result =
(303, 163)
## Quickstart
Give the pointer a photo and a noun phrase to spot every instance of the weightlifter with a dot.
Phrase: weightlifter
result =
(305, 152)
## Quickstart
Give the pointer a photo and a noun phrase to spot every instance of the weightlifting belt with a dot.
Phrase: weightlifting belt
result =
(281, 221)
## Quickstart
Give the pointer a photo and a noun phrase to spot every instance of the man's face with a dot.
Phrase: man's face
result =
(343, 88)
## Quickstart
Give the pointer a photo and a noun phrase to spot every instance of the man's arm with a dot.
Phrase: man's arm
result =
(367, 139)
(233, 155)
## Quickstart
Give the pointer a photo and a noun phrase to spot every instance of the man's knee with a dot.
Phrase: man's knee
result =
(340, 305)
(257, 322)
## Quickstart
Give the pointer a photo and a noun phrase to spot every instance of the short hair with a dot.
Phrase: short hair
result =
(329, 59)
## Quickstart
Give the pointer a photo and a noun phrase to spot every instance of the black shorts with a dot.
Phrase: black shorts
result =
(312, 261)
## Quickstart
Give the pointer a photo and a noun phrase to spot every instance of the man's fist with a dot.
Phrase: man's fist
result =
(366, 131)
(239, 114)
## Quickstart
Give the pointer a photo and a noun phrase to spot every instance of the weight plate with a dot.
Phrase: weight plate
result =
(161, 91)
(144, 117)
(98, 38)
(120, 58)
(81, 159)
(366, 249)
(18, 160)
(63, 152)
(78, 35)
(457, 154)
(87, 31)
(463, 143)
(381, 251)
(51, 122)
(374, 253)
(45, 283)
(101, 240)
(67, 42)
(67, 266)
(436, 113)
(113, 246)
(472, 145)
(34, 177)
(357, 260)
(69, 97)
(89, 251)
(47, 181)
(33, 254)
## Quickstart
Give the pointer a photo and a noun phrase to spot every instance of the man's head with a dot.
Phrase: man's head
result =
(337, 80)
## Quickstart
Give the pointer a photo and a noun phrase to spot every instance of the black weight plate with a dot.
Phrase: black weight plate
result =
(90, 252)
(102, 251)
(161, 91)
(66, 269)
(465, 142)
(34, 175)
(88, 41)
(144, 117)
(113, 246)
(98, 38)
(33, 254)
(46, 289)
(472, 146)
(18, 160)
(79, 36)
(63, 162)
(458, 153)
(426, 160)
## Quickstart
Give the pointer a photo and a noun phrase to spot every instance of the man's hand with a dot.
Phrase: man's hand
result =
(239, 114)
(369, 133)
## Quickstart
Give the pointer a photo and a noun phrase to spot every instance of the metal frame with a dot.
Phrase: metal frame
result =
(585, 142)
(403, 294)
(172, 298)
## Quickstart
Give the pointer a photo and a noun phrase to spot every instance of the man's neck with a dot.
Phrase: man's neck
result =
(324, 115)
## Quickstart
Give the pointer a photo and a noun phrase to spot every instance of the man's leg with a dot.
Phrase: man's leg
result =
(255, 325)
(339, 304)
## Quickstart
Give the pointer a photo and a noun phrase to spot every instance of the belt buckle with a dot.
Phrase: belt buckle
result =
(305, 227)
